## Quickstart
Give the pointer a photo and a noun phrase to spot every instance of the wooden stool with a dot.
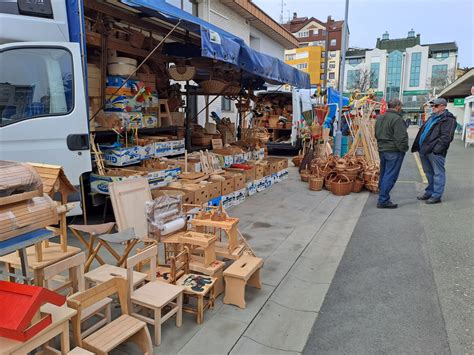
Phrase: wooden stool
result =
(216, 270)
(245, 271)
(164, 114)
(93, 230)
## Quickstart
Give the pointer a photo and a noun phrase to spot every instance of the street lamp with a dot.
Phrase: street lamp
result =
(338, 142)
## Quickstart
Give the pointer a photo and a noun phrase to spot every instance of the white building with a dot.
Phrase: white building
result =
(247, 21)
(402, 68)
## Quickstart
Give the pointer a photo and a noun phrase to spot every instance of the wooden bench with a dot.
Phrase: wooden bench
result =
(244, 271)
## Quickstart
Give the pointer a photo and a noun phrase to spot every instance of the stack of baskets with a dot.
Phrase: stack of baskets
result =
(341, 176)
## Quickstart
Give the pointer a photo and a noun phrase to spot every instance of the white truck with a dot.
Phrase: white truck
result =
(43, 110)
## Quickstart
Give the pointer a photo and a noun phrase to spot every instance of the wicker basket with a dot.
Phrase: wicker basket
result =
(305, 174)
(213, 86)
(357, 185)
(341, 185)
(373, 184)
(351, 172)
(182, 73)
(316, 183)
(328, 180)
(297, 160)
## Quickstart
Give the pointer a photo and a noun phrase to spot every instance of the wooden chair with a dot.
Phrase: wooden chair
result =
(198, 286)
(76, 283)
(124, 328)
(155, 295)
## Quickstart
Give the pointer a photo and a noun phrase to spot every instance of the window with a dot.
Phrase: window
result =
(441, 55)
(332, 76)
(374, 75)
(332, 54)
(394, 72)
(302, 34)
(355, 61)
(323, 54)
(322, 65)
(352, 78)
(48, 90)
(226, 104)
(415, 69)
(333, 42)
(290, 56)
(301, 66)
(439, 74)
(332, 65)
(322, 76)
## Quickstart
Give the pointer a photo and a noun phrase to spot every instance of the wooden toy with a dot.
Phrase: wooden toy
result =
(156, 296)
(215, 269)
(245, 271)
(20, 315)
(76, 283)
(122, 329)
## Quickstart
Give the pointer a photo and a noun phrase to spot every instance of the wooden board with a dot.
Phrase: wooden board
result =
(217, 144)
(128, 200)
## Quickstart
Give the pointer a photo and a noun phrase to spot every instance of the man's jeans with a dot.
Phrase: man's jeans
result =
(433, 166)
(390, 165)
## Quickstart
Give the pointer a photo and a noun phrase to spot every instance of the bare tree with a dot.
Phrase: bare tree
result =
(363, 80)
(440, 81)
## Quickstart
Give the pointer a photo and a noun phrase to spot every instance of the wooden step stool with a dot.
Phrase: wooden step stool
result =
(244, 271)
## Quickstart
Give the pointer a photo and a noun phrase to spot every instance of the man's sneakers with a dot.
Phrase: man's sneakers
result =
(388, 204)
(423, 197)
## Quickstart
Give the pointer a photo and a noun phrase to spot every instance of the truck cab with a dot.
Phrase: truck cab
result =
(43, 109)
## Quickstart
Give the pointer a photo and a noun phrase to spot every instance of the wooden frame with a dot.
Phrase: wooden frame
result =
(155, 295)
(119, 330)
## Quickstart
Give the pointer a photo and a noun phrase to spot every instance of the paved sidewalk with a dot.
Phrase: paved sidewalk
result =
(405, 283)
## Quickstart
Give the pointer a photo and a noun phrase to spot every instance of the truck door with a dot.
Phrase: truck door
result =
(43, 112)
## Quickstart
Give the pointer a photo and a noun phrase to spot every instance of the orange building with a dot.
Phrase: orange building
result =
(308, 59)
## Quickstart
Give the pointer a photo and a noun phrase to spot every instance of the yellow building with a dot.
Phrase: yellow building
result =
(308, 59)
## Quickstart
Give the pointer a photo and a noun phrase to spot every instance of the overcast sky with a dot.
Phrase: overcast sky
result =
(436, 20)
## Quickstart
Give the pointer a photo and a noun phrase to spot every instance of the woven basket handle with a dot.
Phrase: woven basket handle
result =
(343, 176)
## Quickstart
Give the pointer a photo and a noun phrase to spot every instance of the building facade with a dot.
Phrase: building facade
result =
(312, 33)
(402, 68)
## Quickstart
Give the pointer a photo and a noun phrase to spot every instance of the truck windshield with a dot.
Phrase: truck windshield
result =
(35, 82)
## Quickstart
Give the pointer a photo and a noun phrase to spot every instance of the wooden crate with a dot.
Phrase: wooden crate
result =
(200, 193)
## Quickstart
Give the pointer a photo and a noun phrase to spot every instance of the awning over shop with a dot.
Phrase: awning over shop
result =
(224, 46)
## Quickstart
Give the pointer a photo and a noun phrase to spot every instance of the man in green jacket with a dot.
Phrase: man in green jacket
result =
(392, 140)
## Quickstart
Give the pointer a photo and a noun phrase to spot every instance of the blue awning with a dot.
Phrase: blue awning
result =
(224, 46)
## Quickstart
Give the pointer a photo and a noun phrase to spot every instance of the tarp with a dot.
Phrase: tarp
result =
(219, 44)
(333, 97)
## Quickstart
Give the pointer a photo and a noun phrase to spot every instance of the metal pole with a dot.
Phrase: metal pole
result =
(326, 59)
(338, 142)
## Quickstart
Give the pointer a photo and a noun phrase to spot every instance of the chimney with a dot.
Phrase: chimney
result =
(295, 15)
(385, 36)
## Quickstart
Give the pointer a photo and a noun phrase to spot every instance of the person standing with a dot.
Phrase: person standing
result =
(392, 140)
(432, 142)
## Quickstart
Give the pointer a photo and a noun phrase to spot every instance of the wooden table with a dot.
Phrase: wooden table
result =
(51, 254)
(59, 326)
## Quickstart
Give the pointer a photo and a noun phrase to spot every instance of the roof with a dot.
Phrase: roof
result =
(398, 44)
(460, 87)
(356, 52)
(439, 47)
(262, 22)
(296, 24)
(54, 180)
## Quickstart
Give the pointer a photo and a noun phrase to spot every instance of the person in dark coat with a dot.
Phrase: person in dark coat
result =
(392, 142)
(432, 142)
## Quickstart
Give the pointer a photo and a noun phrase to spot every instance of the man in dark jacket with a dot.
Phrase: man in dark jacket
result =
(392, 141)
(432, 142)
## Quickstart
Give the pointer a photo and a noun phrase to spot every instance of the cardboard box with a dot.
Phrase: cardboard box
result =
(259, 154)
(251, 188)
(120, 156)
(227, 185)
(187, 197)
(225, 161)
(150, 121)
(228, 200)
(239, 196)
(200, 193)
(194, 165)
(159, 177)
(273, 166)
(261, 185)
(238, 158)
(167, 148)
(249, 173)
(239, 182)
(146, 151)
(214, 189)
